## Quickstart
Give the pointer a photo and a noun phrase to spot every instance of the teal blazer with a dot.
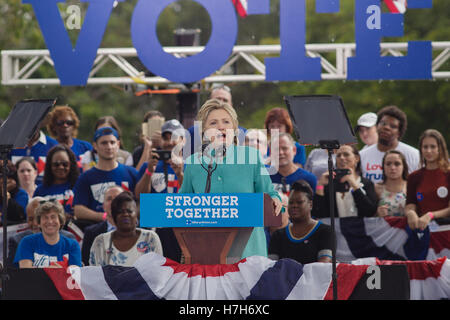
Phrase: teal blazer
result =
(241, 171)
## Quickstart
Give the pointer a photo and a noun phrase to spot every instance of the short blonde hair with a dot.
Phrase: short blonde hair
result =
(214, 104)
(47, 207)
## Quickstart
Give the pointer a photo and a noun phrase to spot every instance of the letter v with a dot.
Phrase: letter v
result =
(72, 65)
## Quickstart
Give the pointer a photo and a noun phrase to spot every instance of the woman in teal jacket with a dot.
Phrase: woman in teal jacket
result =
(239, 170)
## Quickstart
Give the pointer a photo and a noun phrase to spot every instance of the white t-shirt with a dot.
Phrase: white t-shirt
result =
(372, 159)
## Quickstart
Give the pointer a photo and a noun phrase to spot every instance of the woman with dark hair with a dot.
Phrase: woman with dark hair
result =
(141, 152)
(304, 239)
(391, 191)
(60, 174)
(428, 195)
(17, 197)
(278, 119)
(354, 195)
(123, 246)
(63, 126)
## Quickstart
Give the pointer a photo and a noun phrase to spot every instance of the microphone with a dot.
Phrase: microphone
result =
(219, 150)
(207, 151)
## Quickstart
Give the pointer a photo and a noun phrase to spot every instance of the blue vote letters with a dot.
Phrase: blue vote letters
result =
(73, 65)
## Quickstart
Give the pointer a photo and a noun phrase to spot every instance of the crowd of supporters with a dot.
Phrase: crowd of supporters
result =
(81, 198)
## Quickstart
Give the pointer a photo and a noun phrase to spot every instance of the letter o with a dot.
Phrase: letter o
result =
(178, 213)
(190, 69)
(196, 201)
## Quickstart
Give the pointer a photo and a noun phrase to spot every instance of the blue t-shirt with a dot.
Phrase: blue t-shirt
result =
(92, 184)
(21, 198)
(79, 147)
(38, 152)
(299, 174)
(158, 179)
(35, 248)
(300, 156)
(60, 192)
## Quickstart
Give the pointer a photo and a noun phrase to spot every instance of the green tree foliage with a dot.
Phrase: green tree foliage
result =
(425, 102)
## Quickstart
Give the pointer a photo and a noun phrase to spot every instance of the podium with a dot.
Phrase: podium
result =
(210, 228)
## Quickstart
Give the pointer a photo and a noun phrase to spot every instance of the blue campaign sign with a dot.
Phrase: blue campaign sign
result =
(73, 65)
(202, 210)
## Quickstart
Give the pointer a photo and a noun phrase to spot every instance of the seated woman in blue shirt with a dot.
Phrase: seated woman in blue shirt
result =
(49, 248)
(60, 174)
(239, 168)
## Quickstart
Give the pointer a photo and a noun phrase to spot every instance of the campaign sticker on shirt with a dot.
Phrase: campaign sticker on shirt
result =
(419, 196)
(143, 247)
(442, 192)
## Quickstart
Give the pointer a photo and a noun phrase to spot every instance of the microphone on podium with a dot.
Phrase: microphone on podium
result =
(208, 149)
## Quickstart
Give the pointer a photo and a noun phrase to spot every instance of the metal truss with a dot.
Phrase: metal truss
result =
(19, 67)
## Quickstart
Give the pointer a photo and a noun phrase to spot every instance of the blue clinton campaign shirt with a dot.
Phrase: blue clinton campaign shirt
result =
(38, 152)
(92, 184)
(159, 184)
(35, 248)
(283, 184)
(79, 147)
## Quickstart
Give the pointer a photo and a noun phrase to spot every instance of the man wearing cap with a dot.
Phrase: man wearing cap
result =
(164, 175)
(91, 185)
(367, 129)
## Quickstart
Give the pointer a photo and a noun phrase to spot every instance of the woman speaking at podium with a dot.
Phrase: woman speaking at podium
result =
(235, 169)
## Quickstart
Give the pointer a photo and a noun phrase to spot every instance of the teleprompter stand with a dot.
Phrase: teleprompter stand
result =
(322, 121)
(16, 132)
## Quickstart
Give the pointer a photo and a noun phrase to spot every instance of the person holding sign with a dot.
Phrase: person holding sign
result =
(237, 169)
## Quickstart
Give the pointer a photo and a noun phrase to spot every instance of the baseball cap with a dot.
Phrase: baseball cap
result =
(368, 120)
(171, 126)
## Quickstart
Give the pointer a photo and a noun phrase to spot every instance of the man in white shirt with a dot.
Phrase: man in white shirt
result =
(391, 126)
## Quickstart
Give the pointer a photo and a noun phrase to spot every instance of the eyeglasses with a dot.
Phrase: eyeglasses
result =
(48, 200)
(390, 125)
(56, 164)
(60, 123)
